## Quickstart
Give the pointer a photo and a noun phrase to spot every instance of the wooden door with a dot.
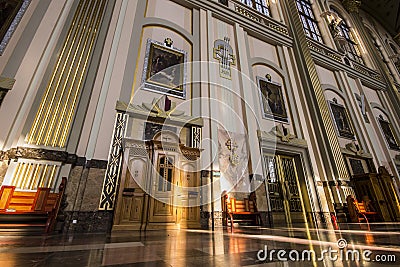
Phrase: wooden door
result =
(130, 202)
(162, 207)
(189, 197)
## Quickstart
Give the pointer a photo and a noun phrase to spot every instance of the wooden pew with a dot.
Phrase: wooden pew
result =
(24, 209)
(240, 211)
(358, 212)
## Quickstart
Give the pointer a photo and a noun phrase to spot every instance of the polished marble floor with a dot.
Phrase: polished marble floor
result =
(246, 246)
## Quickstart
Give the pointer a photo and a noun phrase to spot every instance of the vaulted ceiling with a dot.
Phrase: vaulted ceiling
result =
(387, 12)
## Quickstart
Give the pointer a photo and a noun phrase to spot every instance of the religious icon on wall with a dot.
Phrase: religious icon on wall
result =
(165, 69)
(388, 133)
(273, 103)
(341, 119)
(223, 52)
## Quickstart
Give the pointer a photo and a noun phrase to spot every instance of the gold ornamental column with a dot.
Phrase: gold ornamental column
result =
(54, 118)
(55, 114)
(328, 142)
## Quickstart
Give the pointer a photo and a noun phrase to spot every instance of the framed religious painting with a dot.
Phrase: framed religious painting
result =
(272, 99)
(387, 131)
(165, 69)
(341, 119)
(11, 12)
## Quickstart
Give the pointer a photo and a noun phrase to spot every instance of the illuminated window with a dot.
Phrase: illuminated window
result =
(308, 19)
(261, 6)
(165, 171)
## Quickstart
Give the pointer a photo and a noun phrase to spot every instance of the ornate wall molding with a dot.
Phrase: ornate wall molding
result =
(353, 148)
(51, 155)
(278, 134)
(195, 136)
(332, 59)
(367, 71)
(37, 154)
(324, 50)
(259, 18)
(113, 171)
(153, 111)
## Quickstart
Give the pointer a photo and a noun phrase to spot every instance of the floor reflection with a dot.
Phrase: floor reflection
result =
(207, 248)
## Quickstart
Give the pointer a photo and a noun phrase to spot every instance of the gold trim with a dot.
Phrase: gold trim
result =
(35, 177)
(49, 86)
(53, 120)
(68, 83)
(30, 175)
(27, 175)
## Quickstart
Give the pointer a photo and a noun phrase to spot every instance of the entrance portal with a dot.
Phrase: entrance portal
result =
(285, 196)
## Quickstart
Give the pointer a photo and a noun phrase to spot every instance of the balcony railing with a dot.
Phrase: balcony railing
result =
(257, 16)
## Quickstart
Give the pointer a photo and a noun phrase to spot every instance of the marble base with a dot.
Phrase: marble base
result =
(265, 218)
(206, 219)
(88, 222)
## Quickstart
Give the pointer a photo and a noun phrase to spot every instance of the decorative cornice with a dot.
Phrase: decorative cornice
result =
(367, 71)
(332, 59)
(96, 164)
(355, 148)
(324, 50)
(51, 155)
(41, 154)
(152, 110)
(281, 135)
(133, 143)
(260, 18)
(189, 153)
(266, 26)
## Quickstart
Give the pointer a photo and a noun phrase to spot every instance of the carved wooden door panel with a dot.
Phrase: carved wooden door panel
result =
(284, 190)
(162, 208)
(129, 210)
(189, 197)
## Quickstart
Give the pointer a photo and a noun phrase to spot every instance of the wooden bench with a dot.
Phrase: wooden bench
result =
(358, 212)
(34, 209)
(240, 211)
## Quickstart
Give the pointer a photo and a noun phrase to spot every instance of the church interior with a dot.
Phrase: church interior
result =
(199, 133)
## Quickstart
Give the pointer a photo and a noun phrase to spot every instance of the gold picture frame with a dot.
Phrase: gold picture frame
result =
(165, 69)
